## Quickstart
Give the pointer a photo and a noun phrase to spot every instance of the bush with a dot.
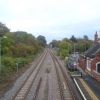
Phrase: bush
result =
(63, 53)
(21, 61)
(9, 63)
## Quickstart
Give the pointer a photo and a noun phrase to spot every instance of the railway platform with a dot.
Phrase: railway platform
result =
(93, 84)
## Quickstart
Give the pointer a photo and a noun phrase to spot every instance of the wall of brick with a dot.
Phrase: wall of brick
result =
(93, 73)
(95, 60)
(82, 63)
(96, 76)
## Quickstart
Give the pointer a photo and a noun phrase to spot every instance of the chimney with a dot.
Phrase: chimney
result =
(96, 38)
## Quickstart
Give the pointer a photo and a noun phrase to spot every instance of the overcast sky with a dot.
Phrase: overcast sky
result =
(55, 19)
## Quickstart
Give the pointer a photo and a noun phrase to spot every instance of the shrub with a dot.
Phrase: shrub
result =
(9, 63)
(21, 61)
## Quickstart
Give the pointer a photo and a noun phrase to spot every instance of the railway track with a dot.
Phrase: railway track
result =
(25, 88)
(37, 89)
(67, 91)
(48, 80)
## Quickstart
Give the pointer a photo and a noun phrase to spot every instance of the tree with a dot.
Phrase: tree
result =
(64, 48)
(3, 29)
(54, 43)
(19, 47)
(86, 37)
(42, 41)
(73, 39)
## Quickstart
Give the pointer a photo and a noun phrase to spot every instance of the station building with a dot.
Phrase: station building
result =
(90, 61)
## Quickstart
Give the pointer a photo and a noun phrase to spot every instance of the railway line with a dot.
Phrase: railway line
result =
(23, 91)
(64, 81)
(48, 80)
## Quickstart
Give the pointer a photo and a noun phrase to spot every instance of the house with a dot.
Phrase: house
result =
(90, 61)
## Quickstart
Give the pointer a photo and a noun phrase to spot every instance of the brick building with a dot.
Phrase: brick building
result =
(90, 61)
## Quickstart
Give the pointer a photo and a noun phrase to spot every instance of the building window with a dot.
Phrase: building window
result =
(89, 65)
(98, 67)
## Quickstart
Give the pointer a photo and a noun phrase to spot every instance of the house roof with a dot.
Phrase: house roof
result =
(94, 50)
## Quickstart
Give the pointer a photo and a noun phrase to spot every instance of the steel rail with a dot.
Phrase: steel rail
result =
(17, 95)
(37, 89)
(67, 78)
(59, 81)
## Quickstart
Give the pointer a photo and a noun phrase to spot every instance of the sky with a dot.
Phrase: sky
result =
(54, 19)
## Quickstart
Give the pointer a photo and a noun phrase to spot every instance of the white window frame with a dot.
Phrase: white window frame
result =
(97, 66)
(88, 64)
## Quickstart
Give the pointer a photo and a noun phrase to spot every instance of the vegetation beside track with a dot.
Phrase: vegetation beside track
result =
(17, 50)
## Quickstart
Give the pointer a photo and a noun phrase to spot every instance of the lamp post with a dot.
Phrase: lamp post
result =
(0, 53)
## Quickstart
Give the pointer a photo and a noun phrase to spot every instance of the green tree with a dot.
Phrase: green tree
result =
(54, 43)
(65, 48)
(42, 40)
(3, 29)
(73, 39)
(86, 37)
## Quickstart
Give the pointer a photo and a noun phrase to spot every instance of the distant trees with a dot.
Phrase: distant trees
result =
(86, 37)
(54, 43)
(73, 39)
(68, 46)
(41, 40)
(81, 44)
(3, 29)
